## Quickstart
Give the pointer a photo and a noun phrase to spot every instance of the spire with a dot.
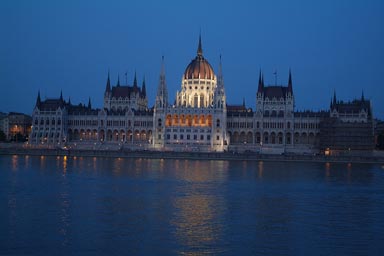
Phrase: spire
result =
(118, 80)
(162, 92)
(38, 100)
(89, 103)
(262, 79)
(334, 97)
(200, 48)
(220, 80)
(290, 82)
(61, 95)
(135, 81)
(69, 100)
(143, 89)
(362, 96)
(108, 86)
(260, 85)
(243, 102)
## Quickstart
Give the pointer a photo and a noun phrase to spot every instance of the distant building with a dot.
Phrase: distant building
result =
(201, 120)
(349, 126)
(16, 126)
(379, 134)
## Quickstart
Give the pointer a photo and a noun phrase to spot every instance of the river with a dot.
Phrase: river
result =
(118, 206)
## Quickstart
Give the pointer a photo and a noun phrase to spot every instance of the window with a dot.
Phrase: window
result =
(175, 136)
(188, 137)
(201, 137)
(218, 123)
(168, 137)
(195, 137)
(159, 136)
(208, 137)
(181, 136)
(217, 137)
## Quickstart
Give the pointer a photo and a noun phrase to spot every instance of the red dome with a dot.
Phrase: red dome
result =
(199, 67)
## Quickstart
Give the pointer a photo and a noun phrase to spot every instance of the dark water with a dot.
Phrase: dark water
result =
(53, 206)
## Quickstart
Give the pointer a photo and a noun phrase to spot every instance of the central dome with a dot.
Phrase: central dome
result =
(199, 68)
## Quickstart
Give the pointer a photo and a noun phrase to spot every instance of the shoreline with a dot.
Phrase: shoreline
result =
(249, 156)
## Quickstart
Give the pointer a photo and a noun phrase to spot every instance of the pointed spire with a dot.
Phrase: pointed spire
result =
(61, 95)
(108, 86)
(143, 89)
(220, 80)
(260, 85)
(162, 92)
(262, 79)
(334, 97)
(362, 96)
(290, 82)
(135, 81)
(243, 102)
(200, 48)
(38, 100)
(69, 100)
(89, 103)
(118, 80)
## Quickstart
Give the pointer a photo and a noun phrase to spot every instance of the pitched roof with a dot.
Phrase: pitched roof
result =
(124, 91)
(275, 92)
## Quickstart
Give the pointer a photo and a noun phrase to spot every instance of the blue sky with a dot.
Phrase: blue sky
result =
(70, 45)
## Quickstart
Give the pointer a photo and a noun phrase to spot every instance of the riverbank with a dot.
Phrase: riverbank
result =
(251, 156)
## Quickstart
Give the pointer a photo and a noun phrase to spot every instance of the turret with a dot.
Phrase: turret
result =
(143, 89)
(260, 86)
(219, 96)
(135, 81)
(108, 86)
(118, 80)
(38, 100)
(290, 89)
(162, 92)
(334, 97)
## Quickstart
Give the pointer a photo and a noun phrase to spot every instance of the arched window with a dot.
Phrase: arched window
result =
(218, 123)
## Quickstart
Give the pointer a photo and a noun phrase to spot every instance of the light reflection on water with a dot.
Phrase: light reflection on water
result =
(189, 207)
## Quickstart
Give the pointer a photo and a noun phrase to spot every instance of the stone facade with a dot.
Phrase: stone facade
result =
(199, 120)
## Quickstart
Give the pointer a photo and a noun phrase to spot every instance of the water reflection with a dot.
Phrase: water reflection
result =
(15, 162)
(198, 208)
(260, 169)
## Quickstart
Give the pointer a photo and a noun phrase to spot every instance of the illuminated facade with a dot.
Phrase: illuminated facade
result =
(199, 120)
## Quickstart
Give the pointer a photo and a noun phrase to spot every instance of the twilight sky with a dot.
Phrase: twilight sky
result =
(70, 45)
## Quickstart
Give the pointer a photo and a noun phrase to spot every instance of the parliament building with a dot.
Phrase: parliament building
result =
(201, 120)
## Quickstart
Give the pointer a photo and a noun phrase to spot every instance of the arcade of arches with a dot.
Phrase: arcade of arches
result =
(273, 138)
(189, 120)
(125, 136)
